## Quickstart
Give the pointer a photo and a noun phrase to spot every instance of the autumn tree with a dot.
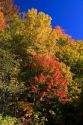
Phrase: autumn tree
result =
(39, 74)
(7, 10)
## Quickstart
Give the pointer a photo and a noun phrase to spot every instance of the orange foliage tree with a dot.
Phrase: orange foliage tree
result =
(7, 10)
(49, 80)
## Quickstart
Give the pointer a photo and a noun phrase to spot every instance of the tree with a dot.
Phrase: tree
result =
(7, 10)
(39, 75)
(8, 7)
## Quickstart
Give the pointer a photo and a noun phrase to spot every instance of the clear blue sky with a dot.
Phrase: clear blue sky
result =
(66, 13)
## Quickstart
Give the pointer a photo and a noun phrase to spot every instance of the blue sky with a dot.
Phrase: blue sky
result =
(66, 13)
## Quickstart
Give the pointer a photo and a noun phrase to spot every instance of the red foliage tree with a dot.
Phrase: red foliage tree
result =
(49, 80)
